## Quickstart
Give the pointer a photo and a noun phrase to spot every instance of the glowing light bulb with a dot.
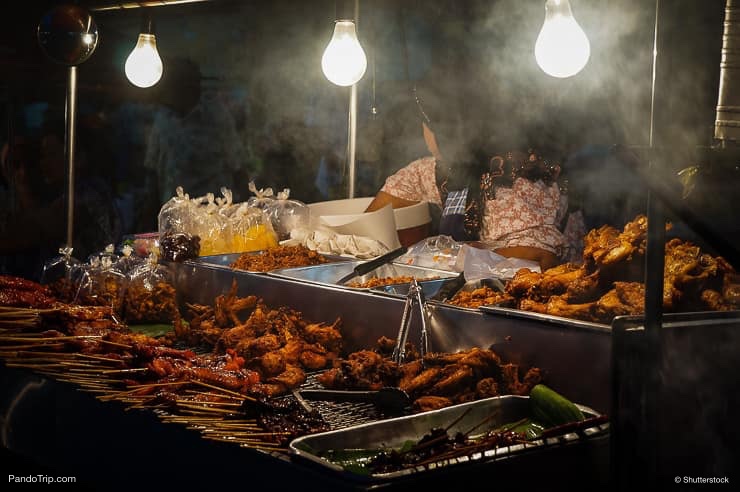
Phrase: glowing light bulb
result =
(143, 65)
(562, 48)
(344, 61)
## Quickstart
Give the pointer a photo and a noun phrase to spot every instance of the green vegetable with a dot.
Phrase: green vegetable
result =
(153, 329)
(551, 409)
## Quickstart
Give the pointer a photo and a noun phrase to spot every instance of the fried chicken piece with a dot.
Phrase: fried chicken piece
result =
(423, 380)
(429, 403)
(626, 298)
(714, 301)
(256, 347)
(331, 378)
(524, 279)
(328, 336)
(486, 388)
(453, 379)
(292, 377)
(313, 360)
(409, 371)
(269, 364)
(386, 345)
(511, 383)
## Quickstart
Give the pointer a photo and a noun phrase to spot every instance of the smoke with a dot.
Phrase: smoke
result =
(477, 55)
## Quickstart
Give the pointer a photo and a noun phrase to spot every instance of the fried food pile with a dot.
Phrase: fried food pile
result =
(278, 257)
(435, 381)
(608, 283)
(482, 296)
(150, 304)
(276, 343)
(378, 281)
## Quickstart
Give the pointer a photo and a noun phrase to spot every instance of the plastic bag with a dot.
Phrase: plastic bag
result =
(102, 284)
(62, 275)
(438, 252)
(251, 230)
(262, 197)
(128, 261)
(150, 295)
(286, 214)
(213, 228)
(483, 263)
(179, 246)
(176, 214)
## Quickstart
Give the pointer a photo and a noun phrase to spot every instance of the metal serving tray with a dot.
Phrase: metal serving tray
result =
(225, 261)
(546, 318)
(431, 289)
(330, 273)
(393, 433)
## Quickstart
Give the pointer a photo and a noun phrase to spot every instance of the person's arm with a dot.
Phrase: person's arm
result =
(408, 186)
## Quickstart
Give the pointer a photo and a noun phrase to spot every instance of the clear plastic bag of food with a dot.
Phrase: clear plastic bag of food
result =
(179, 246)
(252, 230)
(127, 260)
(102, 284)
(262, 197)
(438, 252)
(176, 214)
(150, 296)
(62, 275)
(213, 228)
(286, 214)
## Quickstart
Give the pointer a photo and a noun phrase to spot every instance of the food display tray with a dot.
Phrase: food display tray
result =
(394, 433)
(225, 261)
(329, 274)
(544, 318)
(431, 289)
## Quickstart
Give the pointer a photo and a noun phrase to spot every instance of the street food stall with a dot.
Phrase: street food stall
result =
(272, 343)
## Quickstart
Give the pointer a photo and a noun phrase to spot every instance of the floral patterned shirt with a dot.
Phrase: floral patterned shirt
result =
(527, 214)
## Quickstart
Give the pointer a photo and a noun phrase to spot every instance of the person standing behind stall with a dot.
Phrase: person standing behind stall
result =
(512, 204)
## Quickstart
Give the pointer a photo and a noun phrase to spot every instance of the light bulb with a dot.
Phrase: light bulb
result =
(143, 65)
(344, 61)
(562, 48)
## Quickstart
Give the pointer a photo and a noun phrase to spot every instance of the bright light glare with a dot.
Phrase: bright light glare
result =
(562, 48)
(344, 61)
(143, 65)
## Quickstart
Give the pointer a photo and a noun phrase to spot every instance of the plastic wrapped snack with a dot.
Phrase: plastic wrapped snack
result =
(262, 197)
(150, 296)
(213, 228)
(179, 246)
(176, 214)
(102, 284)
(62, 275)
(286, 214)
(252, 230)
(128, 261)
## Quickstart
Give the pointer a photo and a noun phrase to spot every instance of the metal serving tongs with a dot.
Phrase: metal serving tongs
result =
(414, 299)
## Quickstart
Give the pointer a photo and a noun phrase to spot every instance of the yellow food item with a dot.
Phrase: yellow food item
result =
(257, 237)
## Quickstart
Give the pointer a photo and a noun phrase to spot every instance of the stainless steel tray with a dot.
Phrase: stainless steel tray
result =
(225, 261)
(330, 273)
(547, 318)
(393, 433)
(431, 289)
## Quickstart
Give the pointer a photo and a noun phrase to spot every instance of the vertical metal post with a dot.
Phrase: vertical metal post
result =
(69, 149)
(352, 125)
(654, 266)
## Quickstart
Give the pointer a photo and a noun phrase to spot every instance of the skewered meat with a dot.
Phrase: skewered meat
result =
(19, 292)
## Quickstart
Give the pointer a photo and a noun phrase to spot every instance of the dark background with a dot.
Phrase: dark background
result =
(265, 101)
